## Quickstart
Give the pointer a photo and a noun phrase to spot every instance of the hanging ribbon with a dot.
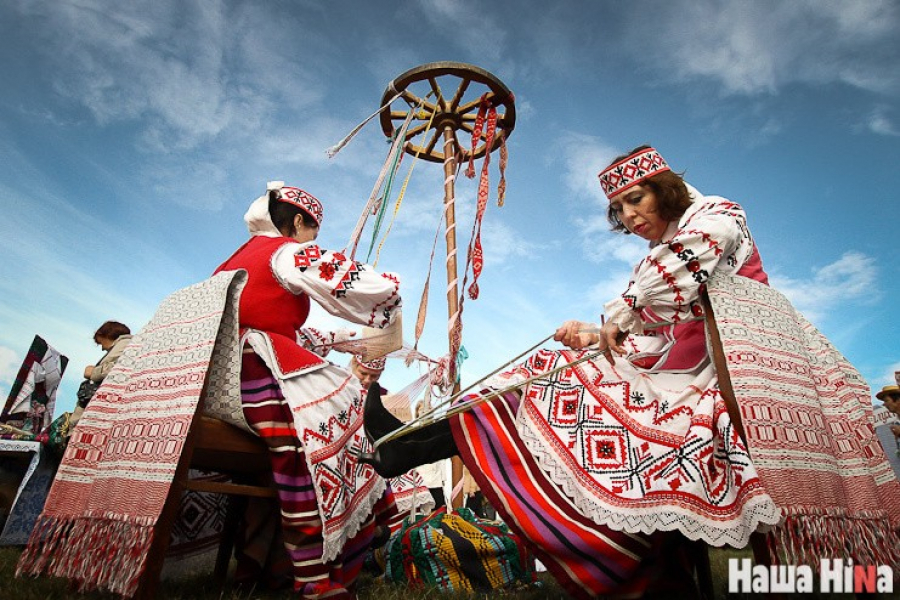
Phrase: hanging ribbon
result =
(382, 206)
(476, 134)
(391, 160)
(423, 303)
(504, 158)
(402, 193)
(483, 190)
(331, 152)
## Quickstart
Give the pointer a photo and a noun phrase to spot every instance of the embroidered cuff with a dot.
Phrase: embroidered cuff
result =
(618, 312)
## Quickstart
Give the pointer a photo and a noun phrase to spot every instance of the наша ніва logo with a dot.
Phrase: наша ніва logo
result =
(835, 576)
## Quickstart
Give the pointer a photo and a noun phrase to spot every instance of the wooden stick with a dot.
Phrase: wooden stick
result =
(452, 272)
(647, 326)
(407, 428)
(426, 417)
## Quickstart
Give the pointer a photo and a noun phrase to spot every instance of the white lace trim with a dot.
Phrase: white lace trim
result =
(758, 514)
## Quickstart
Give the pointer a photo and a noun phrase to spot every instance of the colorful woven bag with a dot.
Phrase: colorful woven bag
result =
(457, 551)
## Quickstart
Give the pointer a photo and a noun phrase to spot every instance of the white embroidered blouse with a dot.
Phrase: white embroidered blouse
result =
(665, 286)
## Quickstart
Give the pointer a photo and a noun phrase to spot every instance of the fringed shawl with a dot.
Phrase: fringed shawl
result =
(807, 414)
(98, 523)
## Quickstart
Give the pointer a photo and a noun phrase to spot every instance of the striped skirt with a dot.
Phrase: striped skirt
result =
(269, 414)
(587, 559)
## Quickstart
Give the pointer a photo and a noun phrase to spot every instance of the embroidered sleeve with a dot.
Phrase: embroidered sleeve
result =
(345, 288)
(322, 342)
(666, 284)
(315, 341)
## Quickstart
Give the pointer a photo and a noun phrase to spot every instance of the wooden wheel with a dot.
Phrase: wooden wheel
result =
(453, 111)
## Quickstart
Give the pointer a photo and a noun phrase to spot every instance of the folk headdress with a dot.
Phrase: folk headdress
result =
(376, 364)
(303, 200)
(258, 219)
(631, 170)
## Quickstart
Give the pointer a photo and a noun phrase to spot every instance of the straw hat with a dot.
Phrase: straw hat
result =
(892, 390)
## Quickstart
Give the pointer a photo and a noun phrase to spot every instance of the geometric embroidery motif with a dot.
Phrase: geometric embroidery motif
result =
(637, 457)
(631, 170)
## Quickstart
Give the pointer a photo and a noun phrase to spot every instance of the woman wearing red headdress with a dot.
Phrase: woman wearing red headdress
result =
(604, 466)
(592, 463)
(308, 410)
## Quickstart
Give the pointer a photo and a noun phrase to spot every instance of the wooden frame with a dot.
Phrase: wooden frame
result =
(213, 445)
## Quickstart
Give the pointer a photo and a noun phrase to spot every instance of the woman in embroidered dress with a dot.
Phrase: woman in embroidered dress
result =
(592, 463)
(306, 409)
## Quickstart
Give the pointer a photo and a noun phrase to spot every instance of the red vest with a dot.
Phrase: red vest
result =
(265, 304)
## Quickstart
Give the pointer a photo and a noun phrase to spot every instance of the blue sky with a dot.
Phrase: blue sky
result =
(133, 136)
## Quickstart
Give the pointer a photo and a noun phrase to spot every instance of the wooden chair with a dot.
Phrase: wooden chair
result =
(212, 445)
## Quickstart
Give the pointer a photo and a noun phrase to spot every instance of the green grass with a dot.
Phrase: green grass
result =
(199, 586)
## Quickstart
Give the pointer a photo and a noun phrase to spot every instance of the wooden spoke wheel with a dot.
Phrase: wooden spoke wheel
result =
(452, 95)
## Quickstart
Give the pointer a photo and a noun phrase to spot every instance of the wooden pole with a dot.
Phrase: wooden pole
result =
(452, 274)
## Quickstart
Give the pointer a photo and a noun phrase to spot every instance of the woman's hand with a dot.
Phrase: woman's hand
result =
(570, 334)
(612, 338)
(577, 335)
(895, 429)
(88, 371)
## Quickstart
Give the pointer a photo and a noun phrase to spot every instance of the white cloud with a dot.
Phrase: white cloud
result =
(502, 243)
(879, 122)
(473, 29)
(888, 378)
(600, 246)
(194, 71)
(758, 47)
(854, 274)
(583, 157)
(10, 361)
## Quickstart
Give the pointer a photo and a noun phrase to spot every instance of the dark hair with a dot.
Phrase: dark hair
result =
(283, 213)
(111, 330)
(672, 196)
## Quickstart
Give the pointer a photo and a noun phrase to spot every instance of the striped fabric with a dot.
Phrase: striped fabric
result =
(269, 414)
(585, 558)
(457, 551)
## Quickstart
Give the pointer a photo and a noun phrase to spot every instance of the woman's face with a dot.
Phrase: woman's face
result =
(302, 232)
(637, 209)
(366, 376)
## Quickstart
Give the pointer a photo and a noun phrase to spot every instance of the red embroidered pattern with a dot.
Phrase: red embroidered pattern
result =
(306, 257)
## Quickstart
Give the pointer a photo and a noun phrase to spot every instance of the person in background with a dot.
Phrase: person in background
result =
(890, 395)
(112, 337)
(368, 372)
(887, 424)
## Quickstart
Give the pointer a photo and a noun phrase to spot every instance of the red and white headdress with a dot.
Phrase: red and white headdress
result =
(376, 364)
(304, 200)
(631, 170)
